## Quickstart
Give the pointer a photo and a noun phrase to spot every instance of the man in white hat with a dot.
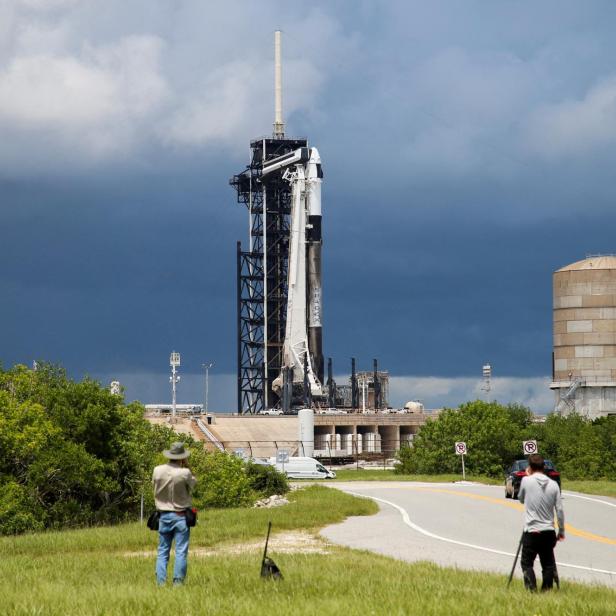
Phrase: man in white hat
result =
(173, 483)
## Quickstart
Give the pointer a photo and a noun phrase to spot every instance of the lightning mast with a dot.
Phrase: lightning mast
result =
(262, 270)
(278, 122)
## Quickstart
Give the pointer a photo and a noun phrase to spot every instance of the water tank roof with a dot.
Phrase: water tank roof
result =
(600, 262)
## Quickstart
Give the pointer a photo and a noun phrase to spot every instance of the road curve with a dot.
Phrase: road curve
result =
(472, 526)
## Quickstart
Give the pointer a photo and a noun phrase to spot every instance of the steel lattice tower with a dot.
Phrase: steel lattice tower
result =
(262, 275)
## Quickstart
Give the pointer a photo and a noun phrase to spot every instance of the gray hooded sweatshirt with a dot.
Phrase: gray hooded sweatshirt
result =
(541, 497)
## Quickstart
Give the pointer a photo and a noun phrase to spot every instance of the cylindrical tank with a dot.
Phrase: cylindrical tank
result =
(414, 406)
(306, 431)
(584, 369)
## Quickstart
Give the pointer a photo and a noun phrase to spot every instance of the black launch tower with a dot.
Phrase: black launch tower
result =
(262, 275)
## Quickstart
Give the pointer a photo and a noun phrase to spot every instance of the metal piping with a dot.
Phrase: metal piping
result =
(354, 392)
(377, 387)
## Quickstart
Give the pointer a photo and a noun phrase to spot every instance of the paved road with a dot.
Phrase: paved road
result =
(473, 526)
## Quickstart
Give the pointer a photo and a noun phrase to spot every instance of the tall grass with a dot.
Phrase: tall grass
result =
(310, 508)
(341, 583)
(87, 573)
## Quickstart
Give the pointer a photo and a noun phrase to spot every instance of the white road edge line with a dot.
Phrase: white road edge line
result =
(407, 520)
(589, 498)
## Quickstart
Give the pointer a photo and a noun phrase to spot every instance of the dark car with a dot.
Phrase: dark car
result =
(518, 470)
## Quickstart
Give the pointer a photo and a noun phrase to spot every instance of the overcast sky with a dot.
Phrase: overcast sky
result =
(468, 148)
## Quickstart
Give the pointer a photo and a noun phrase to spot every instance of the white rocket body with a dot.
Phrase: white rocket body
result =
(302, 341)
(314, 242)
(302, 345)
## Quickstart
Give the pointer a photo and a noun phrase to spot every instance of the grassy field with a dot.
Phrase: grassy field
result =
(389, 475)
(88, 572)
(599, 487)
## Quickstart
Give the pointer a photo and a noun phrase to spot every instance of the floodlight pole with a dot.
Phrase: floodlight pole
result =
(207, 367)
(487, 378)
(173, 399)
(174, 361)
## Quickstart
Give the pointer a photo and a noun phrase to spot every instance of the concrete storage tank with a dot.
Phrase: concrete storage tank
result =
(584, 371)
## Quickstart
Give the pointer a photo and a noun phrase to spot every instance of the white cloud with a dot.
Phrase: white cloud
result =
(433, 391)
(575, 127)
(76, 89)
(64, 91)
(48, 5)
(437, 392)
(55, 91)
(153, 388)
(234, 99)
(79, 84)
(95, 103)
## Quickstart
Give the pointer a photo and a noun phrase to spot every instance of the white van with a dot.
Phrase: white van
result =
(302, 468)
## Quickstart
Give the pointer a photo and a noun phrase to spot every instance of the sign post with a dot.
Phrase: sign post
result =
(461, 451)
(282, 456)
(529, 447)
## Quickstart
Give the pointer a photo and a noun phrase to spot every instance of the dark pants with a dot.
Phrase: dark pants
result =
(542, 544)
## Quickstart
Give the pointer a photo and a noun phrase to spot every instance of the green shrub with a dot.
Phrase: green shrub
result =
(18, 514)
(492, 433)
(406, 461)
(580, 448)
(222, 480)
(266, 480)
(71, 454)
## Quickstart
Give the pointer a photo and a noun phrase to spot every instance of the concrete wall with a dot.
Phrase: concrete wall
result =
(592, 401)
(585, 337)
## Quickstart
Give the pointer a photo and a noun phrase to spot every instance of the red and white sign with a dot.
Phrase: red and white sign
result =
(461, 448)
(529, 447)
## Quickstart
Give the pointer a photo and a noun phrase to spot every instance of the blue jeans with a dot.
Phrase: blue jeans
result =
(172, 526)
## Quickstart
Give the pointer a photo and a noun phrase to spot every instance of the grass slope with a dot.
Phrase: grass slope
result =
(601, 487)
(389, 475)
(86, 573)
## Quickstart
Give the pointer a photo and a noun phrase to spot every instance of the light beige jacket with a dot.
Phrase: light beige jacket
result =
(172, 485)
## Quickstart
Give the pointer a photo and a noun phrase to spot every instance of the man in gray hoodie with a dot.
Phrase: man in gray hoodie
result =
(541, 498)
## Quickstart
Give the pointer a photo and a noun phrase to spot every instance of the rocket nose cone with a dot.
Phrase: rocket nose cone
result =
(314, 156)
(315, 170)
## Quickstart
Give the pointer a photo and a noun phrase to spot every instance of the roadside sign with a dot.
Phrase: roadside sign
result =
(282, 456)
(461, 448)
(529, 447)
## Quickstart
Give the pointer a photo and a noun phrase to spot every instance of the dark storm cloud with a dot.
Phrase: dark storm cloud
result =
(468, 151)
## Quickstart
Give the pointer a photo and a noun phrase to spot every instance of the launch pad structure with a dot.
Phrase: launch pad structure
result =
(279, 344)
(262, 273)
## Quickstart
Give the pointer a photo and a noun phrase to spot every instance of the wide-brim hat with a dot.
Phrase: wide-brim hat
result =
(177, 451)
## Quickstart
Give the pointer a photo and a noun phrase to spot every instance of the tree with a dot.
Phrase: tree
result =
(580, 448)
(73, 454)
(492, 433)
(575, 445)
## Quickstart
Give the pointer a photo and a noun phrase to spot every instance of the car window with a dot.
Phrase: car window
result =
(521, 465)
(321, 468)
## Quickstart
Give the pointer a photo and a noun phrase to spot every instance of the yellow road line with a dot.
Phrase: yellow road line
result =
(571, 530)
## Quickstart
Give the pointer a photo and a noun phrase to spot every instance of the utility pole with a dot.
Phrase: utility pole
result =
(174, 362)
(487, 380)
(207, 367)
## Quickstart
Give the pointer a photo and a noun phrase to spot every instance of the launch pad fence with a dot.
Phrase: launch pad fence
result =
(354, 450)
